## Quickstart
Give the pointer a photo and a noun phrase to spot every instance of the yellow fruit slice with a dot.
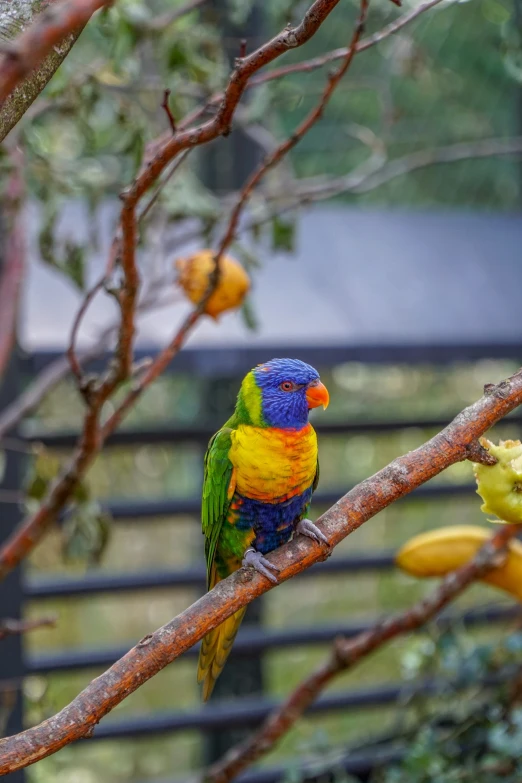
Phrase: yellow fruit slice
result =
(193, 277)
(500, 485)
(440, 551)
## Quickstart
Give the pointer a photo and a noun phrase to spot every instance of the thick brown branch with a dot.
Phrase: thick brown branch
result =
(48, 30)
(160, 648)
(347, 653)
(21, 98)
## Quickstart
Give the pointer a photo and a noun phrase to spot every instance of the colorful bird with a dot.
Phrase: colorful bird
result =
(261, 469)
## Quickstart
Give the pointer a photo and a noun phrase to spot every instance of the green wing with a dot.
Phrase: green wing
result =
(316, 478)
(215, 502)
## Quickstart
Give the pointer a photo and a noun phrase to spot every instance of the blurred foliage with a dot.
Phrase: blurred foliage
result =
(452, 76)
(465, 727)
(447, 78)
(473, 733)
(85, 529)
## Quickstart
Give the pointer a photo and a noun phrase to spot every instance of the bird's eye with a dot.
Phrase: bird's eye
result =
(287, 386)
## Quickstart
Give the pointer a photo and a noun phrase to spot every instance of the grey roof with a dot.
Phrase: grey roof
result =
(358, 277)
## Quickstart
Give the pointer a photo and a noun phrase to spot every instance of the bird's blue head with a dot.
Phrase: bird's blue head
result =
(283, 391)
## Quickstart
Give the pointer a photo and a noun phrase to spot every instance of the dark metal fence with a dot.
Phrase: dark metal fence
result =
(254, 640)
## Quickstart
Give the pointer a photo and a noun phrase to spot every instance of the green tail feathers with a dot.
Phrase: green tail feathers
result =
(215, 649)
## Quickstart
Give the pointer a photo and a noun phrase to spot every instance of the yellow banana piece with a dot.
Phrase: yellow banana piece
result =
(440, 551)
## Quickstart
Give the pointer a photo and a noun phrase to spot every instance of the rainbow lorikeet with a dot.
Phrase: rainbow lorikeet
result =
(261, 469)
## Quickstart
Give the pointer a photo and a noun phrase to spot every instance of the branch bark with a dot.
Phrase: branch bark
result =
(345, 654)
(49, 29)
(157, 650)
(21, 98)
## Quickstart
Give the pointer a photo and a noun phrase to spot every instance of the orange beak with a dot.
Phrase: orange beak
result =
(317, 394)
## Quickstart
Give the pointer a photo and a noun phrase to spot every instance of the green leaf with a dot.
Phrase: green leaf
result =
(177, 55)
(74, 264)
(283, 234)
(43, 470)
(249, 316)
(86, 533)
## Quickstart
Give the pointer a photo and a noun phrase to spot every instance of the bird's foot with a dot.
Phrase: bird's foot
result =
(307, 528)
(255, 560)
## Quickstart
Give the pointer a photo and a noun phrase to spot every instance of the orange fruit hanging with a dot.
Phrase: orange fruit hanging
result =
(194, 274)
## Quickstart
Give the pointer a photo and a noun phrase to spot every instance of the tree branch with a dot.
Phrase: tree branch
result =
(346, 653)
(12, 270)
(51, 375)
(162, 361)
(157, 650)
(24, 94)
(23, 540)
(164, 149)
(485, 148)
(308, 65)
(55, 372)
(21, 98)
(49, 29)
(337, 54)
(9, 627)
(284, 148)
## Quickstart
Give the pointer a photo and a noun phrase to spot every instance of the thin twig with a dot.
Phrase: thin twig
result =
(57, 370)
(337, 54)
(485, 148)
(283, 149)
(220, 124)
(162, 361)
(175, 166)
(154, 147)
(11, 627)
(71, 350)
(157, 650)
(165, 106)
(346, 653)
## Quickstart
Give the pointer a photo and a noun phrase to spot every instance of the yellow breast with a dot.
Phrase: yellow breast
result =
(273, 465)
